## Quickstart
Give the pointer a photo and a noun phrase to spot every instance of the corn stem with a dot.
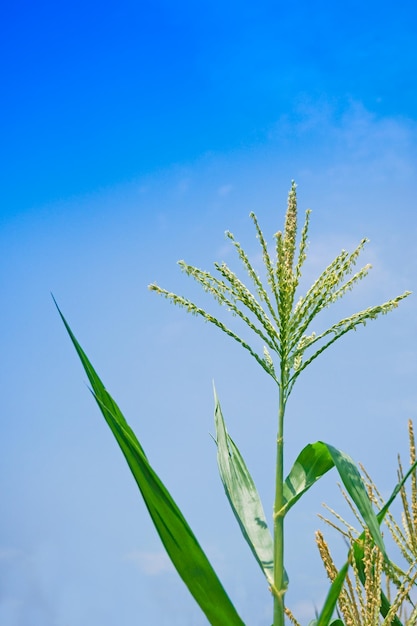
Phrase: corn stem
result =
(279, 571)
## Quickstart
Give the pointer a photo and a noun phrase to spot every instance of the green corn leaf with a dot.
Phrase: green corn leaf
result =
(243, 496)
(397, 489)
(179, 541)
(331, 600)
(315, 460)
(358, 554)
(355, 487)
(312, 462)
(358, 549)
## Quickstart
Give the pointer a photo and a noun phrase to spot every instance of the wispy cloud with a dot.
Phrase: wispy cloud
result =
(350, 136)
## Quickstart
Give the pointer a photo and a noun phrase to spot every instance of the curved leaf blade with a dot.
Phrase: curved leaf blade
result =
(312, 463)
(177, 537)
(358, 547)
(358, 552)
(355, 487)
(243, 496)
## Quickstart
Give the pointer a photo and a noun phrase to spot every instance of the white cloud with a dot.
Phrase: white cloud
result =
(348, 137)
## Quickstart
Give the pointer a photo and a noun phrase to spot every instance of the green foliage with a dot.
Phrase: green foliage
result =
(316, 459)
(281, 321)
(361, 545)
(177, 537)
(243, 496)
(289, 344)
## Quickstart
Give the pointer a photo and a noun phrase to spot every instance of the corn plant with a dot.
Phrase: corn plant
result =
(379, 594)
(280, 321)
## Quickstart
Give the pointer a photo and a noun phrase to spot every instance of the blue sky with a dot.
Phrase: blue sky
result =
(134, 135)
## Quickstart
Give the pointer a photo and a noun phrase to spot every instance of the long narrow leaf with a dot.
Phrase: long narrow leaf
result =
(355, 487)
(358, 548)
(358, 555)
(312, 463)
(243, 496)
(179, 541)
(332, 598)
